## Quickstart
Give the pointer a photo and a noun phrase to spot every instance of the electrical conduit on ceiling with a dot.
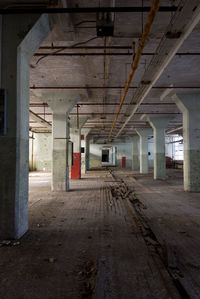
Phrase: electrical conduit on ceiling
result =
(183, 22)
(149, 22)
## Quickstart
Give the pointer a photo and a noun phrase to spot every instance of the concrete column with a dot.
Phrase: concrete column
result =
(21, 36)
(75, 137)
(144, 133)
(84, 156)
(61, 104)
(189, 104)
(159, 124)
(135, 153)
(87, 152)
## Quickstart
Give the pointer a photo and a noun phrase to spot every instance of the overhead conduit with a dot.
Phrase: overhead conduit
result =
(184, 21)
(149, 22)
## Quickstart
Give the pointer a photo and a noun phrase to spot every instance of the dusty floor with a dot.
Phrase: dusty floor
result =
(91, 243)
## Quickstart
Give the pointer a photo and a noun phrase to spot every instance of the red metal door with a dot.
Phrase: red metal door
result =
(123, 162)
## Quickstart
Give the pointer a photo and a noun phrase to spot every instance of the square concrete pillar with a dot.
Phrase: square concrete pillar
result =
(144, 133)
(159, 124)
(84, 156)
(87, 151)
(21, 36)
(189, 104)
(61, 104)
(135, 153)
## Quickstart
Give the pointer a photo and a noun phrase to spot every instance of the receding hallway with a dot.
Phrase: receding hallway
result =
(88, 243)
(99, 149)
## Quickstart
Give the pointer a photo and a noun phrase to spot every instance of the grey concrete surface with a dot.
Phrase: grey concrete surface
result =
(159, 125)
(83, 243)
(144, 164)
(135, 158)
(190, 106)
(86, 242)
(61, 104)
(21, 36)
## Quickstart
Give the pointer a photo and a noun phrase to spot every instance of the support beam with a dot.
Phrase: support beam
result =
(61, 105)
(39, 119)
(135, 153)
(85, 156)
(109, 87)
(189, 104)
(33, 10)
(159, 124)
(144, 161)
(21, 37)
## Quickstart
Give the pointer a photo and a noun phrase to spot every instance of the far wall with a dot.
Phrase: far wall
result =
(42, 152)
(124, 149)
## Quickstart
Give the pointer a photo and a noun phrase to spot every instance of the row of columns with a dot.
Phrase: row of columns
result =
(21, 37)
(190, 107)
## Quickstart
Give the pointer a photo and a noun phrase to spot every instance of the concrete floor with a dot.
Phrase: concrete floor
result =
(87, 243)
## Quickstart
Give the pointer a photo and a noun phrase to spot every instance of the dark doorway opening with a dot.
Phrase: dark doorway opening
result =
(105, 155)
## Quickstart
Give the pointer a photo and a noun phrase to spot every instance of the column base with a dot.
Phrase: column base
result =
(191, 170)
(135, 163)
(144, 167)
(159, 166)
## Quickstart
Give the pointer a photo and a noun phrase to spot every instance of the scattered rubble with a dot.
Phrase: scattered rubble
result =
(9, 243)
(87, 275)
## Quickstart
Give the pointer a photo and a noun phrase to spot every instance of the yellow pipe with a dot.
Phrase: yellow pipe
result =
(149, 22)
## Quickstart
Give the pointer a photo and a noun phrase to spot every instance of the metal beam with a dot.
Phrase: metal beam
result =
(172, 130)
(40, 10)
(84, 54)
(109, 54)
(110, 87)
(85, 47)
(108, 113)
(107, 104)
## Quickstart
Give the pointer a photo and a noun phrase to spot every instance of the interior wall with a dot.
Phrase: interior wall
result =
(42, 152)
(95, 155)
(124, 149)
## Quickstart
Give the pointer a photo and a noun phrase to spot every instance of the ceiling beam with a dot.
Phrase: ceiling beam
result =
(39, 119)
(109, 54)
(172, 130)
(109, 87)
(41, 10)
(107, 104)
(110, 113)
(86, 47)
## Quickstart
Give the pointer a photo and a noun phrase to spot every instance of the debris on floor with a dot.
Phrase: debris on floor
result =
(9, 243)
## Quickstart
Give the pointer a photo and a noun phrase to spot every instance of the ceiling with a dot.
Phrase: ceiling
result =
(97, 68)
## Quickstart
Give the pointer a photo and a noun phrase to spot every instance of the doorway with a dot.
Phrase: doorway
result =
(105, 155)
